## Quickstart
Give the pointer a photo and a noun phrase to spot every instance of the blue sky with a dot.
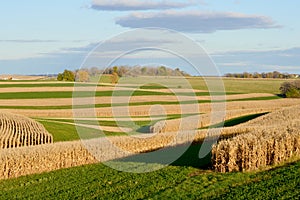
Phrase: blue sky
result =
(39, 37)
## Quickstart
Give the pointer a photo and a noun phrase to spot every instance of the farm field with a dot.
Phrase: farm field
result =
(142, 118)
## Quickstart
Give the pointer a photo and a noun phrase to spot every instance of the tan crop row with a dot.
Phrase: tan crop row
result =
(233, 110)
(108, 99)
(144, 110)
(17, 131)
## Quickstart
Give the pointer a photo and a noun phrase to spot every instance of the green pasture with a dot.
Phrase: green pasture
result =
(176, 181)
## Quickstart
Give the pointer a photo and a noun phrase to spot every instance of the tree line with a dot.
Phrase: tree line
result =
(144, 71)
(83, 75)
(274, 74)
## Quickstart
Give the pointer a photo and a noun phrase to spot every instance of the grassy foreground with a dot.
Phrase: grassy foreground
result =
(173, 182)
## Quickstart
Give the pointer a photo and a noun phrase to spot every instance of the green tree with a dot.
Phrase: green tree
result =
(67, 75)
(60, 77)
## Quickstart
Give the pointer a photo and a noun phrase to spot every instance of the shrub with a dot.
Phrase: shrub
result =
(291, 89)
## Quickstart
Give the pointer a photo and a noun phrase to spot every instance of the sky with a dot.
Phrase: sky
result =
(46, 37)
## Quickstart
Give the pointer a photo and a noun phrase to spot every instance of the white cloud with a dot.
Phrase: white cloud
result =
(196, 21)
(126, 5)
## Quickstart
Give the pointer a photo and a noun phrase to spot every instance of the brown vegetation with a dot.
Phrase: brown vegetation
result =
(37, 159)
(43, 158)
(270, 105)
(233, 110)
(17, 131)
(276, 138)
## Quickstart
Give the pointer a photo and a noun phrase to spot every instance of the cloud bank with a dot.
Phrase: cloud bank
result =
(130, 5)
(196, 21)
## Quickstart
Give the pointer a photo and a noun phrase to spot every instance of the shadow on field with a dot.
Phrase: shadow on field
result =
(186, 154)
(182, 155)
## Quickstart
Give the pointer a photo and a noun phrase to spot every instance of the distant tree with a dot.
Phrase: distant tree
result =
(144, 70)
(82, 76)
(256, 75)
(115, 69)
(177, 72)
(67, 75)
(122, 71)
(60, 77)
(276, 74)
(94, 71)
(162, 71)
(246, 75)
(115, 75)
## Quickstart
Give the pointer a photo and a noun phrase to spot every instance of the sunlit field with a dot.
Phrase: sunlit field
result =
(256, 154)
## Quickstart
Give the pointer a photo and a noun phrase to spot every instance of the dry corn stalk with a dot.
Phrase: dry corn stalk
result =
(17, 131)
(275, 139)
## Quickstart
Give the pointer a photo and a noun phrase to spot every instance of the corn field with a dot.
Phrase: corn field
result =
(18, 131)
(22, 161)
(276, 139)
(42, 158)
(250, 147)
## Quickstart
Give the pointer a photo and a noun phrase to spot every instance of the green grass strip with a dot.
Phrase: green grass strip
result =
(98, 181)
(70, 94)
(69, 132)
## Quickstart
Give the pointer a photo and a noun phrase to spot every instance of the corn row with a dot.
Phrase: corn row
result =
(18, 131)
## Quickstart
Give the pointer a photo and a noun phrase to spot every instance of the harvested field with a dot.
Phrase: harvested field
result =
(204, 120)
(18, 131)
(143, 110)
(106, 99)
(233, 109)
(277, 118)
